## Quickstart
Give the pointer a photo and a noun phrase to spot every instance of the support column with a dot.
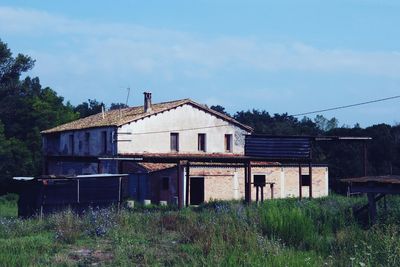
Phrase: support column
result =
(271, 186)
(365, 162)
(249, 182)
(310, 174)
(187, 183)
(180, 185)
(262, 193)
(246, 181)
(257, 193)
(300, 184)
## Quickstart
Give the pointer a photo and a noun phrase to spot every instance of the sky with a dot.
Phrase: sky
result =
(278, 56)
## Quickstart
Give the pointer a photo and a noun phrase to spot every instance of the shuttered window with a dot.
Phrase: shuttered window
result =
(174, 142)
(201, 142)
(228, 143)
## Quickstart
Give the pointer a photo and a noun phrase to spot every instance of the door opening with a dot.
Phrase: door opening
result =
(196, 190)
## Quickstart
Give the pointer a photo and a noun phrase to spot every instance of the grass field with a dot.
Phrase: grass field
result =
(318, 232)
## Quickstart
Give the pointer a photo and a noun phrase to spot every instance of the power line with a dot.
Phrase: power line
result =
(347, 106)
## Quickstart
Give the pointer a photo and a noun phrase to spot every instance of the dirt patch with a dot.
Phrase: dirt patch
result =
(90, 257)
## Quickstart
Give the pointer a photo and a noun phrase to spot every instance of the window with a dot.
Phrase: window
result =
(228, 143)
(201, 142)
(165, 183)
(87, 143)
(175, 142)
(71, 144)
(104, 142)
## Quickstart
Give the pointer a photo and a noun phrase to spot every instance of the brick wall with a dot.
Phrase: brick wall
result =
(219, 183)
(228, 183)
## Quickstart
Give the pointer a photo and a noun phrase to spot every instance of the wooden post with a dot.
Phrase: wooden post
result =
(180, 185)
(77, 191)
(310, 174)
(272, 190)
(187, 183)
(257, 193)
(119, 193)
(365, 162)
(262, 193)
(372, 207)
(300, 183)
(249, 182)
(246, 180)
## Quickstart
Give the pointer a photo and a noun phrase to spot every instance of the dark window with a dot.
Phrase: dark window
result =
(174, 142)
(228, 143)
(165, 183)
(259, 180)
(201, 142)
(87, 143)
(104, 142)
(71, 144)
(305, 180)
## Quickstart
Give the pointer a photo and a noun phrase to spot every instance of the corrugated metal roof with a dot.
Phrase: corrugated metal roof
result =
(127, 115)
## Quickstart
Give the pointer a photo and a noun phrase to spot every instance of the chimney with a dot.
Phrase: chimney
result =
(147, 102)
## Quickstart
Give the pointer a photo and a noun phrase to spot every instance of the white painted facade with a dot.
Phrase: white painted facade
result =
(85, 142)
(152, 134)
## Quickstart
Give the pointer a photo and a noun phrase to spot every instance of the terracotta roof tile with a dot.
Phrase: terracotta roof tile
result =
(153, 167)
(127, 115)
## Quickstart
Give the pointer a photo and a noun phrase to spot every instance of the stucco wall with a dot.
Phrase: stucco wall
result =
(94, 146)
(152, 134)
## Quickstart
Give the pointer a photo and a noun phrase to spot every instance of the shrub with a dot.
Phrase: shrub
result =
(67, 226)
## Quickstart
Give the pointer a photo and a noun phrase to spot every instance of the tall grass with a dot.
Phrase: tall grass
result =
(317, 232)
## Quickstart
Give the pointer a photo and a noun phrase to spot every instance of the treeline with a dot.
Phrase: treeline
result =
(344, 158)
(26, 108)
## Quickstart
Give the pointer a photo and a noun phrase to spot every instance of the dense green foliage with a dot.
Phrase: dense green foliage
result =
(345, 159)
(25, 109)
(289, 232)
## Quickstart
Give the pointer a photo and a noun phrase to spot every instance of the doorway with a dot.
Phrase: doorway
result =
(196, 190)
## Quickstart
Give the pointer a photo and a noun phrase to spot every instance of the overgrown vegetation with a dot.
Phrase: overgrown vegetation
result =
(318, 232)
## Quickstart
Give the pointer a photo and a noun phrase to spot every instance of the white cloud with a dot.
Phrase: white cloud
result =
(105, 47)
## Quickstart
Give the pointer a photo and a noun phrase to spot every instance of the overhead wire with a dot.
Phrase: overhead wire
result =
(346, 106)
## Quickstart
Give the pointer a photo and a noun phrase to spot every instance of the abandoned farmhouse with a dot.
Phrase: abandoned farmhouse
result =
(172, 149)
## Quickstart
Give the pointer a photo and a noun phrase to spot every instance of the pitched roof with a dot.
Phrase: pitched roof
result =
(127, 115)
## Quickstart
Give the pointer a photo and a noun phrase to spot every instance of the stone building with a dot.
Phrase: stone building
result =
(117, 141)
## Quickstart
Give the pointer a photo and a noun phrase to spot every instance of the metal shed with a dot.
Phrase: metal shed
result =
(48, 194)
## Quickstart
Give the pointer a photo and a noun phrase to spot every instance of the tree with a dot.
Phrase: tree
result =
(324, 124)
(25, 109)
(91, 107)
(118, 106)
(220, 109)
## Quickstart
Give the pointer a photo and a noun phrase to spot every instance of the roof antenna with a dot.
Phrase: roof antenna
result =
(126, 103)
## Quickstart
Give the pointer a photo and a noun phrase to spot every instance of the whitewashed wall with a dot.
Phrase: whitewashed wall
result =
(95, 142)
(152, 134)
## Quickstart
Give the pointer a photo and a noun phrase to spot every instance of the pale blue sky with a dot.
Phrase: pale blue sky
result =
(281, 56)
